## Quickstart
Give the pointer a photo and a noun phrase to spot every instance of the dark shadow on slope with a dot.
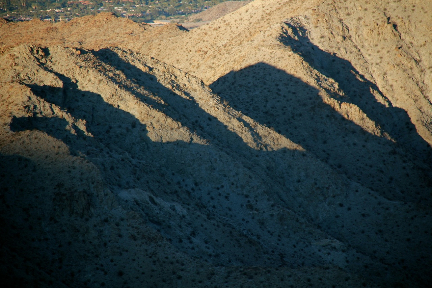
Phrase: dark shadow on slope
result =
(348, 147)
(20, 223)
(118, 137)
(101, 119)
(186, 111)
(358, 90)
(116, 132)
(294, 109)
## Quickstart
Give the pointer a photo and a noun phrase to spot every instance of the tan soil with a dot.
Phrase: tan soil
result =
(285, 144)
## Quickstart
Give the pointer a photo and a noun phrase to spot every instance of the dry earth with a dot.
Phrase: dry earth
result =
(213, 13)
(287, 144)
(218, 11)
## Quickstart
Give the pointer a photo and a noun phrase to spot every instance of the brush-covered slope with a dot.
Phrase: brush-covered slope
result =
(339, 48)
(265, 149)
(119, 169)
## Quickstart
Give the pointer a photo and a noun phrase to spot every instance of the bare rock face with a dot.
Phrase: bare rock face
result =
(285, 144)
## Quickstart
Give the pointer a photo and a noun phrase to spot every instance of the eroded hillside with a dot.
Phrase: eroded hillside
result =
(272, 147)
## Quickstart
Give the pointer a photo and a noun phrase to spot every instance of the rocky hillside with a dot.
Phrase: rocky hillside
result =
(92, 32)
(287, 144)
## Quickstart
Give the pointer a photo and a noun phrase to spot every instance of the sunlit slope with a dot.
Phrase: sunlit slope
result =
(332, 47)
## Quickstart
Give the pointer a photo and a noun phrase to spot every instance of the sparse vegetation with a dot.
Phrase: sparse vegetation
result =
(301, 164)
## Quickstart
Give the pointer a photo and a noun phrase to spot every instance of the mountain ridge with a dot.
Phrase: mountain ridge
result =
(287, 163)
